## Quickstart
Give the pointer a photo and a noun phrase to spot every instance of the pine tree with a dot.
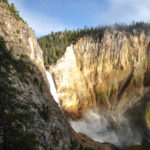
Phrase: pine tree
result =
(5, 1)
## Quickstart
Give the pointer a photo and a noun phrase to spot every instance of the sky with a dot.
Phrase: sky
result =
(44, 16)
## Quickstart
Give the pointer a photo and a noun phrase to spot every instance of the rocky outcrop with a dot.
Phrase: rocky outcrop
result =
(109, 74)
(23, 68)
(19, 37)
(30, 96)
(30, 118)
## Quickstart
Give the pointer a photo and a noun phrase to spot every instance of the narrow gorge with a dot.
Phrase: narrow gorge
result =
(103, 86)
(93, 93)
(30, 119)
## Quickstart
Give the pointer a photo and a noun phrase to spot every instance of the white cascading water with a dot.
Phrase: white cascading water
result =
(52, 86)
(99, 128)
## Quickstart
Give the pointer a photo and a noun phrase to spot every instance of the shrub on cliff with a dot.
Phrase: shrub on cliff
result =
(16, 118)
(13, 10)
(5, 1)
(15, 13)
(138, 147)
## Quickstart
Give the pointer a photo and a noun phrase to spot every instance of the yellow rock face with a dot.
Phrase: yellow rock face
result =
(108, 74)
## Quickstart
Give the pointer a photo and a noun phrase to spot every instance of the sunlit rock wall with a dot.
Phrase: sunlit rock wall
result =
(108, 74)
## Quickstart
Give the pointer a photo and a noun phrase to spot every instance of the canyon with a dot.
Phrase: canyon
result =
(96, 96)
(30, 117)
(103, 85)
(110, 73)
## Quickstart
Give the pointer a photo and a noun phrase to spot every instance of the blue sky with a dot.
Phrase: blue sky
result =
(44, 16)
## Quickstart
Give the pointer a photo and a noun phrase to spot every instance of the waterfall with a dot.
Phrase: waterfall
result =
(52, 86)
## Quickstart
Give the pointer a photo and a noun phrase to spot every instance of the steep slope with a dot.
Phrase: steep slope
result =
(110, 74)
(19, 37)
(25, 94)
(104, 86)
(30, 119)
(23, 68)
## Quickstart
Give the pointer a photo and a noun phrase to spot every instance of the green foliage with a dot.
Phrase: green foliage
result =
(5, 1)
(13, 10)
(55, 44)
(138, 147)
(101, 96)
(16, 118)
(74, 145)
(1, 23)
(41, 87)
(15, 13)
(44, 112)
(22, 69)
(137, 81)
(147, 78)
(36, 81)
(18, 31)
(147, 115)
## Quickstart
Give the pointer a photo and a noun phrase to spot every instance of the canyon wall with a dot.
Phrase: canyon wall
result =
(30, 118)
(24, 83)
(111, 74)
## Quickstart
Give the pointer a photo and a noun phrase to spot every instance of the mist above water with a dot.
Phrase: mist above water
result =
(103, 129)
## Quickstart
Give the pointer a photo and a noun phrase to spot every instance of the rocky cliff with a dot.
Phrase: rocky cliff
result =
(30, 119)
(22, 70)
(19, 37)
(104, 85)
(110, 74)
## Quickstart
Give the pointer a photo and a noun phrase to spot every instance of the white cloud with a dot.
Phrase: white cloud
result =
(125, 11)
(41, 24)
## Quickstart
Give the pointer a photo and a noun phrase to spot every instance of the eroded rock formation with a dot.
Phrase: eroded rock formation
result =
(110, 74)
(30, 118)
